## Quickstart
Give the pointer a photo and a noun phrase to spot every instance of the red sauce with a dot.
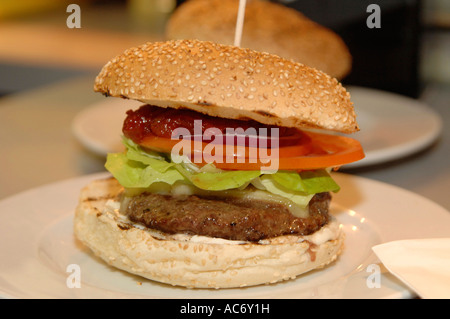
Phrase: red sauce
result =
(312, 251)
(153, 120)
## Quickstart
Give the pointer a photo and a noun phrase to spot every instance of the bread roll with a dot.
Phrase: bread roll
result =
(194, 261)
(268, 27)
(229, 82)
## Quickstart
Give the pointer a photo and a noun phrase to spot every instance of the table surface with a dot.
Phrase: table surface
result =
(38, 146)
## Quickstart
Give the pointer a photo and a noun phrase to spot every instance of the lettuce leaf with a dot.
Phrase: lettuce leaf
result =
(140, 168)
(300, 198)
(222, 180)
(135, 174)
(146, 157)
(308, 182)
(318, 181)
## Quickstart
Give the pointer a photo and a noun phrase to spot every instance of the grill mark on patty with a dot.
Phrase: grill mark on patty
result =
(230, 218)
(94, 199)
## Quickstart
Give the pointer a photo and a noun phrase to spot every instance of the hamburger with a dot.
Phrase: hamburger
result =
(231, 217)
(268, 27)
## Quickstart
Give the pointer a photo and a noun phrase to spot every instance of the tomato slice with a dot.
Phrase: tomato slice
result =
(328, 151)
(293, 145)
(311, 150)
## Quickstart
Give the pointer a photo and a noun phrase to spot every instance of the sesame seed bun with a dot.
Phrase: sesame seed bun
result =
(229, 82)
(189, 261)
(268, 27)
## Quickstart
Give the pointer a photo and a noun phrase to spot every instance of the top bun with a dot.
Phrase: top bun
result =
(229, 82)
(268, 27)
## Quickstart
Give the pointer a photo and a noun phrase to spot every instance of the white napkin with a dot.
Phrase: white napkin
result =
(422, 264)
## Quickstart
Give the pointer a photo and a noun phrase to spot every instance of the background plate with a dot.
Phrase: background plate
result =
(99, 126)
(392, 126)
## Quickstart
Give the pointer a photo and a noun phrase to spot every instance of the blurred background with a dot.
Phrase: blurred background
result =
(411, 48)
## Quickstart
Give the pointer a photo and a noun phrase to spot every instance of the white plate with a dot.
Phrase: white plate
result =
(38, 246)
(392, 126)
(99, 126)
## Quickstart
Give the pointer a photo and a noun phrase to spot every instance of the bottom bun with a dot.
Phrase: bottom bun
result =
(194, 261)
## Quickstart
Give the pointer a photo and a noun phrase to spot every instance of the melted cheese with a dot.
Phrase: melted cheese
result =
(249, 193)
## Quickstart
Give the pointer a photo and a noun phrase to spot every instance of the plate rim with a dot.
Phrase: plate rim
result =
(406, 149)
(80, 180)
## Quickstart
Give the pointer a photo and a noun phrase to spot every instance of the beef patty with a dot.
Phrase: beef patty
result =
(230, 218)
